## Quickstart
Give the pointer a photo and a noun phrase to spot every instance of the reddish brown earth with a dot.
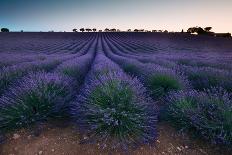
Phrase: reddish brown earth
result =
(56, 140)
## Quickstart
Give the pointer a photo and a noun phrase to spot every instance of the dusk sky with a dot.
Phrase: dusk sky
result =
(64, 15)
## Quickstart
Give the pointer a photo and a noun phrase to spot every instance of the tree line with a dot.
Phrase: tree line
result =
(95, 30)
(115, 30)
(192, 30)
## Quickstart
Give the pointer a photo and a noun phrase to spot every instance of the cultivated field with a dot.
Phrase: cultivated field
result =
(115, 93)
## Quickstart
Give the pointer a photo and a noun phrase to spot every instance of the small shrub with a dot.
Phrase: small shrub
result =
(206, 77)
(113, 109)
(161, 81)
(213, 117)
(162, 84)
(10, 74)
(179, 103)
(76, 68)
(36, 97)
(131, 69)
(209, 113)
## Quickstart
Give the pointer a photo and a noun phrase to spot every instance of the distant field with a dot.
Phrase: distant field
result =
(119, 90)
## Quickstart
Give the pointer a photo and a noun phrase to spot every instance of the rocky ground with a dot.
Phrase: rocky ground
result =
(64, 140)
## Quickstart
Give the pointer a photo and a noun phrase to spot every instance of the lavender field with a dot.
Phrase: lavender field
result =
(117, 90)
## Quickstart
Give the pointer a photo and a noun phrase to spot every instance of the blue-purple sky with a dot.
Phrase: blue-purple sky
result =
(64, 15)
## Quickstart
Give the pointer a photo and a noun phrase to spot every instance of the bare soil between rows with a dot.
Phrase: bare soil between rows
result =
(64, 140)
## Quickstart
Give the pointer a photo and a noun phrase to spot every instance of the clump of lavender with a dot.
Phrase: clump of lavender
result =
(161, 81)
(103, 65)
(113, 108)
(133, 68)
(36, 97)
(179, 105)
(76, 68)
(12, 73)
(213, 117)
(209, 113)
(206, 77)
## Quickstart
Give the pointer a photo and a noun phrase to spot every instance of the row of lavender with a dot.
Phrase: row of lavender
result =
(194, 97)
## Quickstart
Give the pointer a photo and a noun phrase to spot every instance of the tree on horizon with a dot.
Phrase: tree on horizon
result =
(197, 30)
(113, 30)
(88, 29)
(207, 29)
(107, 30)
(136, 30)
(5, 30)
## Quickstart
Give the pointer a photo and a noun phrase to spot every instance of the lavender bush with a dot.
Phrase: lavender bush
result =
(161, 80)
(114, 109)
(209, 113)
(76, 68)
(206, 77)
(36, 97)
(12, 73)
